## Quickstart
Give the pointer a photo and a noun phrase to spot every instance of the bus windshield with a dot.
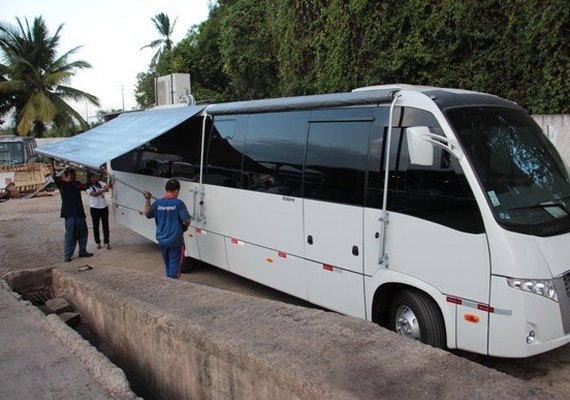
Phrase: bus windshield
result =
(12, 152)
(524, 178)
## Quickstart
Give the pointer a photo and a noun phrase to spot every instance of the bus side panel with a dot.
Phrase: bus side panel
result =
(128, 209)
(272, 268)
(333, 234)
(472, 326)
(191, 243)
(212, 248)
(455, 262)
(136, 222)
(268, 220)
(336, 289)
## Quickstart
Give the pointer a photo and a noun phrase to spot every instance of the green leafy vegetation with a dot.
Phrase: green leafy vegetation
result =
(34, 78)
(247, 49)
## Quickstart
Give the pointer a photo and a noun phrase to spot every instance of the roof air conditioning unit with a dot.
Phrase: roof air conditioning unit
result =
(173, 89)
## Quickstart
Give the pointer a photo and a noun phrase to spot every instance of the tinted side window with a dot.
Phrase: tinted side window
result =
(337, 154)
(274, 151)
(225, 151)
(174, 154)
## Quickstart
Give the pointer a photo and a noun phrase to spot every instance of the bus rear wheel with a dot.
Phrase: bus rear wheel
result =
(415, 315)
(189, 264)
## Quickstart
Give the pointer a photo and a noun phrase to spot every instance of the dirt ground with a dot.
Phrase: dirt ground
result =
(31, 236)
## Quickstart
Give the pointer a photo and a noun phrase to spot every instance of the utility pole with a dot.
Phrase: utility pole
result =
(123, 96)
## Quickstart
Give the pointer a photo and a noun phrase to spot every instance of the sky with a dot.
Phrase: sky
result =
(111, 34)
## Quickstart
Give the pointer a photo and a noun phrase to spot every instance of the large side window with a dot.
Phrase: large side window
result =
(225, 151)
(337, 154)
(175, 154)
(274, 151)
(439, 193)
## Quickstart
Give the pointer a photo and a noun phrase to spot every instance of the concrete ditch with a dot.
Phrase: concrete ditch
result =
(187, 341)
(32, 362)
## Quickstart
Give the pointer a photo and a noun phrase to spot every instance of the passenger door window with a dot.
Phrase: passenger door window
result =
(337, 155)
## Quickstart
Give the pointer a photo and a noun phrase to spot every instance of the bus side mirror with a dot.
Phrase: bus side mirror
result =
(419, 146)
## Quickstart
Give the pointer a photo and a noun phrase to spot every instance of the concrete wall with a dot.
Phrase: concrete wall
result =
(187, 341)
(560, 125)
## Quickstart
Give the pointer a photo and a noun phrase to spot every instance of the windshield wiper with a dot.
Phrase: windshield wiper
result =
(544, 205)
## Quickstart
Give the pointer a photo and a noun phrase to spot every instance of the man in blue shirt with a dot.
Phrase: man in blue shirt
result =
(172, 219)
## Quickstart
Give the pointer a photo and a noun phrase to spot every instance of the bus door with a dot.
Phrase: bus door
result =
(334, 175)
(435, 234)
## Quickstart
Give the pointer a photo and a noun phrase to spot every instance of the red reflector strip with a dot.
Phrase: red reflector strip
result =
(282, 254)
(485, 307)
(327, 267)
(198, 230)
(234, 241)
(453, 300)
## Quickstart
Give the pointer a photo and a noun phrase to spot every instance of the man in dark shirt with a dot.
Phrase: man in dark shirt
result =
(72, 210)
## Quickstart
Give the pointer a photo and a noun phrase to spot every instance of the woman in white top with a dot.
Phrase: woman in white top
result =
(99, 209)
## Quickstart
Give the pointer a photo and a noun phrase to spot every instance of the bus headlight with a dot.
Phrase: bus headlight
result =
(541, 287)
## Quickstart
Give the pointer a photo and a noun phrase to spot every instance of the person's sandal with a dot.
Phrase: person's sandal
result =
(108, 246)
(98, 245)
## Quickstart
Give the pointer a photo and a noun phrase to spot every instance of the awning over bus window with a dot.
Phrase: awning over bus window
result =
(118, 136)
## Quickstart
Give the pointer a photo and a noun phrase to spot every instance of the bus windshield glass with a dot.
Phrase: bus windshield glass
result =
(12, 152)
(524, 178)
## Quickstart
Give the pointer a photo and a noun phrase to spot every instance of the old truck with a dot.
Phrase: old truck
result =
(19, 170)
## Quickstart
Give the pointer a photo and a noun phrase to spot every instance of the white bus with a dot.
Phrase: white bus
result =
(441, 214)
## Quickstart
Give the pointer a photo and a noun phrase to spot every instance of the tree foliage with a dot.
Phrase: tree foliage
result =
(35, 78)
(517, 49)
(165, 29)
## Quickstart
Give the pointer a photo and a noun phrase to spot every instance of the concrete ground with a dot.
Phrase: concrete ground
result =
(37, 364)
(31, 236)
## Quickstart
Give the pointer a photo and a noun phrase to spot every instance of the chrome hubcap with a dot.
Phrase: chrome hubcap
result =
(407, 323)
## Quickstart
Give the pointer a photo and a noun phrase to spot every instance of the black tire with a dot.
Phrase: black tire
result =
(414, 314)
(189, 264)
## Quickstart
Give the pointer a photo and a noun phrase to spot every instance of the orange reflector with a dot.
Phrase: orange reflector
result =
(327, 267)
(472, 318)
(282, 255)
(269, 259)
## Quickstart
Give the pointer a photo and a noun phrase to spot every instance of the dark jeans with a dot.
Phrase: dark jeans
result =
(100, 214)
(172, 257)
(75, 232)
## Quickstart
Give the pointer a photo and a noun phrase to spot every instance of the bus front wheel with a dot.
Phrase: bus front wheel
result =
(415, 315)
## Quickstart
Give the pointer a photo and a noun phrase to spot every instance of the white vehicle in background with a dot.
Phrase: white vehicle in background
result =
(441, 214)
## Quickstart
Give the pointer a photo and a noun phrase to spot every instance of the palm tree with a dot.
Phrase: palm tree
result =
(36, 78)
(162, 24)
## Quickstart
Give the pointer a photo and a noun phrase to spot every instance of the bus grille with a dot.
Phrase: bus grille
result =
(566, 279)
(562, 285)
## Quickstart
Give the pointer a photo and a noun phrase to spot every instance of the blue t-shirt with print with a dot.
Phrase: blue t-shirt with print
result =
(169, 214)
